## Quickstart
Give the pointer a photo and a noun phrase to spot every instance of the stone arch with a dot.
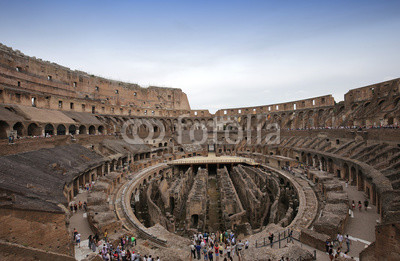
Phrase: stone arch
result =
(4, 129)
(49, 129)
(82, 129)
(309, 159)
(19, 127)
(346, 171)
(34, 130)
(330, 165)
(72, 129)
(353, 174)
(323, 164)
(316, 161)
(101, 129)
(61, 130)
(360, 180)
(92, 130)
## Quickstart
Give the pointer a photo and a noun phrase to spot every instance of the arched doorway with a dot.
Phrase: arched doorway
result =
(346, 172)
(19, 128)
(61, 130)
(353, 176)
(82, 129)
(49, 129)
(72, 129)
(4, 128)
(101, 130)
(92, 130)
(34, 130)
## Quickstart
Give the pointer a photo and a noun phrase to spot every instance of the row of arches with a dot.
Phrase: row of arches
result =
(34, 129)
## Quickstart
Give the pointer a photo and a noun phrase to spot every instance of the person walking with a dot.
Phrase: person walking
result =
(359, 206)
(192, 251)
(271, 239)
(348, 242)
(78, 240)
(366, 203)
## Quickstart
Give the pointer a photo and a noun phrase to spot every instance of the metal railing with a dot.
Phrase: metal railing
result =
(282, 236)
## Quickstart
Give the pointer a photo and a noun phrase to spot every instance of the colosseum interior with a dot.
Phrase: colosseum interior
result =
(251, 170)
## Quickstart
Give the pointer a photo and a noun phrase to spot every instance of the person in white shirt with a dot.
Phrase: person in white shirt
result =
(78, 239)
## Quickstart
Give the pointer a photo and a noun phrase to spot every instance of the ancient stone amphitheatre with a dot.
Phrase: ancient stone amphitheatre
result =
(162, 172)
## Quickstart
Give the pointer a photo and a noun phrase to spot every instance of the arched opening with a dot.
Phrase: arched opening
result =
(4, 128)
(353, 176)
(346, 172)
(101, 130)
(316, 162)
(195, 221)
(171, 204)
(92, 130)
(19, 128)
(61, 130)
(49, 129)
(330, 165)
(360, 181)
(34, 130)
(323, 164)
(72, 129)
(82, 129)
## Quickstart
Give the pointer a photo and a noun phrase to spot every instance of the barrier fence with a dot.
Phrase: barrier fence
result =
(286, 235)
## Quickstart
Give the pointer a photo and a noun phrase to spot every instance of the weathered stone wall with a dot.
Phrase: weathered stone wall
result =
(10, 252)
(253, 200)
(179, 191)
(51, 83)
(197, 201)
(37, 229)
(232, 209)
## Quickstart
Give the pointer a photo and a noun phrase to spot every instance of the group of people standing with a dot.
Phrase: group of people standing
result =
(335, 248)
(222, 245)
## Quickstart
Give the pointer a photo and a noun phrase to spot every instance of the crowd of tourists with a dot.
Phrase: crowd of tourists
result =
(221, 246)
(123, 251)
(335, 248)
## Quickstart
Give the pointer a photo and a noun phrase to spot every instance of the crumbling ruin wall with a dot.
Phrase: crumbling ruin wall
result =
(179, 191)
(196, 203)
(250, 196)
(232, 209)
(157, 215)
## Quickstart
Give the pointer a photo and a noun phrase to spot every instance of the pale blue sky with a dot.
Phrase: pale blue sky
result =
(221, 53)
